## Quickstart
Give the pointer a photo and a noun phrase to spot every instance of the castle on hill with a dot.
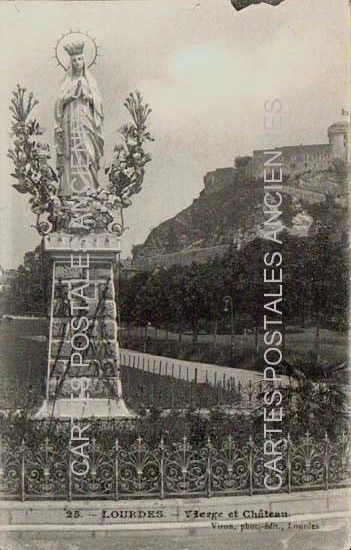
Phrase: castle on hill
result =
(304, 167)
(295, 159)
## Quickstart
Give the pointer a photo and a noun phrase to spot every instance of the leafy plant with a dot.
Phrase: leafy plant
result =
(29, 156)
(35, 176)
(126, 172)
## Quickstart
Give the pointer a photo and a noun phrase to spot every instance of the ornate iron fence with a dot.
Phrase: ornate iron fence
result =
(168, 470)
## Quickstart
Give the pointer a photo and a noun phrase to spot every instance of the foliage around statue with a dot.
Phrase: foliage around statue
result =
(36, 177)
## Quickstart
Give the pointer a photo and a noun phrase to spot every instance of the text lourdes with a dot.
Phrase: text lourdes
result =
(272, 318)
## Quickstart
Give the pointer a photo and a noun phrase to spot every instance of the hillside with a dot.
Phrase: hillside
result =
(236, 213)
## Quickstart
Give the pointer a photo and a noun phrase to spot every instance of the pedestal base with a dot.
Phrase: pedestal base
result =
(65, 409)
(83, 375)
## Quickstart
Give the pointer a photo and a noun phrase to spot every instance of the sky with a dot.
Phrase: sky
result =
(205, 69)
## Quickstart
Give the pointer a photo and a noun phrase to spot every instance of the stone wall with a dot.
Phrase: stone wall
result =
(218, 179)
(294, 159)
(97, 360)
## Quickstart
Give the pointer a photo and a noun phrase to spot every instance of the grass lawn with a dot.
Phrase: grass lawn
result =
(23, 363)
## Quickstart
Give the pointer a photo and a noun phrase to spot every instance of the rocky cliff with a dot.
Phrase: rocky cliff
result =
(235, 213)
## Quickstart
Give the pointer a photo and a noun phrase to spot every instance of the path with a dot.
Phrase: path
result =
(188, 370)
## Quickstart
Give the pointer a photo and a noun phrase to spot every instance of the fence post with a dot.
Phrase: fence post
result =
(195, 375)
(172, 394)
(288, 462)
(172, 370)
(192, 399)
(250, 466)
(22, 470)
(116, 468)
(209, 467)
(250, 393)
(326, 460)
(162, 481)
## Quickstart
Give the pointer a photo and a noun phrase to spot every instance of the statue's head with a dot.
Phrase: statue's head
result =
(77, 63)
(75, 51)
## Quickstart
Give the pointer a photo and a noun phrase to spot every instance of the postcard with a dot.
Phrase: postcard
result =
(174, 280)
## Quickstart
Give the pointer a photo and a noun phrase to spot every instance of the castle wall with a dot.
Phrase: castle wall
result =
(295, 160)
(218, 179)
(184, 257)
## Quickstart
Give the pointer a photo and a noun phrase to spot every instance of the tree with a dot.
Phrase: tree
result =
(297, 288)
(317, 395)
(241, 162)
(29, 290)
(143, 300)
(326, 271)
(251, 267)
(127, 293)
(175, 296)
(163, 312)
(212, 284)
(235, 281)
(192, 299)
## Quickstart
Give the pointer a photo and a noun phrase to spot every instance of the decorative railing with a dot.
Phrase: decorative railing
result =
(45, 470)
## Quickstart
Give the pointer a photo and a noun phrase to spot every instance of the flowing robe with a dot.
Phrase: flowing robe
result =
(78, 133)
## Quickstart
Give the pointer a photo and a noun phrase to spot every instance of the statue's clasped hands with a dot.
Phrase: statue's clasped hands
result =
(80, 92)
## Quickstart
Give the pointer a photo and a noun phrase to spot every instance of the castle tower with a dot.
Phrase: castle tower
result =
(338, 134)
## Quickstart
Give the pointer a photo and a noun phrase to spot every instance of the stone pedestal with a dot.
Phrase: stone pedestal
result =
(83, 376)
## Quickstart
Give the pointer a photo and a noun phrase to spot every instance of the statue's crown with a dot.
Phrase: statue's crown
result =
(74, 49)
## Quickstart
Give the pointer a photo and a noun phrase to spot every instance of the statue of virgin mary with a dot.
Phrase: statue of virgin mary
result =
(78, 133)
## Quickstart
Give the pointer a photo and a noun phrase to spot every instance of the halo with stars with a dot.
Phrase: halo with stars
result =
(90, 48)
